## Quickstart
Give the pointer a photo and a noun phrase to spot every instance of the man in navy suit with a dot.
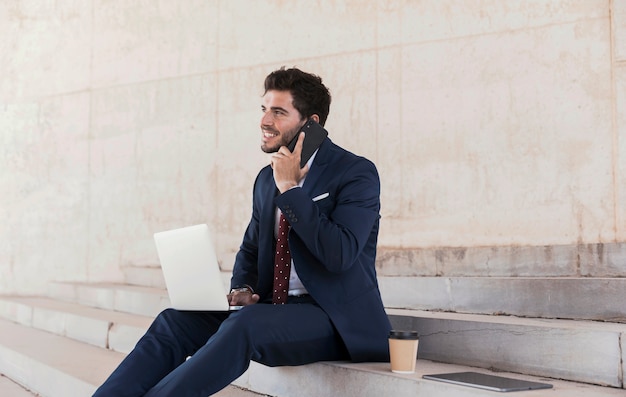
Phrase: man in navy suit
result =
(333, 310)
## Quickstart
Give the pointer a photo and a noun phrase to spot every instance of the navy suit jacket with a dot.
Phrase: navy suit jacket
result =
(332, 243)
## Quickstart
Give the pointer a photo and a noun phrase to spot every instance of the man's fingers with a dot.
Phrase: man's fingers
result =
(242, 298)
(284, 151)
(298, 148)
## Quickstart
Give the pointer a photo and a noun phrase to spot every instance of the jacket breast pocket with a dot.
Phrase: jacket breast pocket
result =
(325, 204)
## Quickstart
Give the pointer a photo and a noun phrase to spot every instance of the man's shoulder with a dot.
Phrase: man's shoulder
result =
(345, 157)
(265, 172)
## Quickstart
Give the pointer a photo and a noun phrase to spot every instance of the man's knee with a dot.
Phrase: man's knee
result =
(241, 321)
(247, 326)
(175, 323)
(166, 317)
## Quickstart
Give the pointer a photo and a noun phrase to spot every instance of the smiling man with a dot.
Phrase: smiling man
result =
(304, 274)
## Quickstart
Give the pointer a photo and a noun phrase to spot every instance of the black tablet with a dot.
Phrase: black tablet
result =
(488, 382)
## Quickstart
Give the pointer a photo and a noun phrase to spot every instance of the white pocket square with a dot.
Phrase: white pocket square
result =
(321, 196)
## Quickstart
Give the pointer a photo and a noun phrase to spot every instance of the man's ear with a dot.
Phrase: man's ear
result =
(315, 118)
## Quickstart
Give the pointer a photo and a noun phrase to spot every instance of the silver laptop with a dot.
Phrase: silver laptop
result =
(192, 274)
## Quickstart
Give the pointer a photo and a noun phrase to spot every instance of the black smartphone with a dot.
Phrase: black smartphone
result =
(314, 136)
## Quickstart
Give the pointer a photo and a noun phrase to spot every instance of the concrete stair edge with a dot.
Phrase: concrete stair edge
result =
(135, 298)
(147, 276)
(578, 298)
(588, 260)
(152, 275)
(518, 296)
(537, 347)
(376, 379)
(116, 331)
(515, 344)
(10, 388)
(39, 360)
(142, 300)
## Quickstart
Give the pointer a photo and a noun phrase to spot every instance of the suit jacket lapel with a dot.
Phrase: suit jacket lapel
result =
(268, 213)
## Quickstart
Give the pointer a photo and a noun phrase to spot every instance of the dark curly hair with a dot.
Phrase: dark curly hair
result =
(310, 96)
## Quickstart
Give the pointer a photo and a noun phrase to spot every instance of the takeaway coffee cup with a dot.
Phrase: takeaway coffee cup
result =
(403, 351)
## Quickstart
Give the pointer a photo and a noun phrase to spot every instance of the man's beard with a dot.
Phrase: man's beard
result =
(285, 139)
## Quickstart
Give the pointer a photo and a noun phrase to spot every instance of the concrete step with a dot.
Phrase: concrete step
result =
(376, 380)
(146, 276)
(52, 366)
(138, 299)
(40, 361)
(574, 260)
(103, 328)
(145, 301)
(582, 351)
(579, 298)
(8, 388)
(152, 276)
(524, 345)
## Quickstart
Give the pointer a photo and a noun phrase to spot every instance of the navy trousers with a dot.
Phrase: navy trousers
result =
(221, 346)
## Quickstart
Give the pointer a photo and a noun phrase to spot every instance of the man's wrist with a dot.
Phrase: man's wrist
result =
(243, 288)
(288, 186)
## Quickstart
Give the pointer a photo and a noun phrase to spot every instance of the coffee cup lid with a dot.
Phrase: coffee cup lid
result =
(395, 334)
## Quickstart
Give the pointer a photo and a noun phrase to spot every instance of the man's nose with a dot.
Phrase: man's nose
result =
(267, 119)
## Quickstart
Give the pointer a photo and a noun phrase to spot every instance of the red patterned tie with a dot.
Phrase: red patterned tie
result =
(282, 263)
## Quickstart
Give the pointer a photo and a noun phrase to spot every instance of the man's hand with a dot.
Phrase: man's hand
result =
(242, 298)
(286, 166)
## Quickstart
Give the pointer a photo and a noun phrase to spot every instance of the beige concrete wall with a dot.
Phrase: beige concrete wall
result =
(619, 111)
(493, 123)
